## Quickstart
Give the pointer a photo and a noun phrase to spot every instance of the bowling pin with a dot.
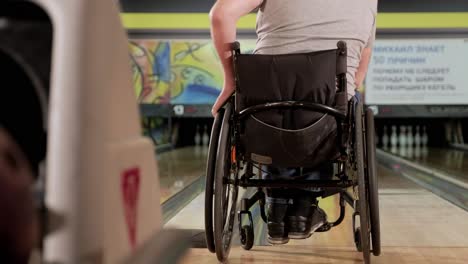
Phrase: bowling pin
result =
(424, 141)
(409, 142)
(409, 137)
(402, 141)
(205, 137)
(197, 136)
(206, 141)
(402, 136)
(424, 138)
(393, 140)
(385, 138)
(417, 138)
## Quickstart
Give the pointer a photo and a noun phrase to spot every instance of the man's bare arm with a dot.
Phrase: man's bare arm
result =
(224, 16)
(363, 66)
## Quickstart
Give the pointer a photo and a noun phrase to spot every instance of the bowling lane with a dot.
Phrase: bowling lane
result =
(417, 227)
(449, 161)
(179, 168)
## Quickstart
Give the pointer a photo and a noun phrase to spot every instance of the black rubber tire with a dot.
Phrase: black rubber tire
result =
(248, 232)
(209, 183)
(357, 239)
(373, 189)
(363, 202)
(225, 197)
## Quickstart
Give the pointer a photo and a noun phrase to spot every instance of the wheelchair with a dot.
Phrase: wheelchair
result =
(290, 110)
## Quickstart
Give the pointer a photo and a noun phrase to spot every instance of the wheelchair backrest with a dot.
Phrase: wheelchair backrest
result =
(306, 77)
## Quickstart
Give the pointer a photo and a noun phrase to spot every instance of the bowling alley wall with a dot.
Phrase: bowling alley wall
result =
(417, 80)
(177, 71)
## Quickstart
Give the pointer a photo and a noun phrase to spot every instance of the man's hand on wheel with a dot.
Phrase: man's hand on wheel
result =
(227, 91)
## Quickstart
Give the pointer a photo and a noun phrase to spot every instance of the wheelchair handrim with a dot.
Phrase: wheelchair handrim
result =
(209, 186)
(224, 215)
(372, 185)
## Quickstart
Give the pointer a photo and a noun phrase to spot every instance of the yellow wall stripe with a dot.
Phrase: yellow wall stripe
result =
(197, 21)
(176, 21)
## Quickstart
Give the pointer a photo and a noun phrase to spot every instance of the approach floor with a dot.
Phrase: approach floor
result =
(417, 227)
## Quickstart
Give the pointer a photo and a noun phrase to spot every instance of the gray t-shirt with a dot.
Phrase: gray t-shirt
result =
(296, 26)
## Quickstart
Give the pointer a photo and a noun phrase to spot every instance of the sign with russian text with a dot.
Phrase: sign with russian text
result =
(418, 72)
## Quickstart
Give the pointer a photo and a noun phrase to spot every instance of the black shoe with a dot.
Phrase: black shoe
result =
(319, 218)
(304, 218)
(277, 233)
(299, 219)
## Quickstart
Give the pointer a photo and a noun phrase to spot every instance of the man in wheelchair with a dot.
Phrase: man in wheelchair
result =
(296, 27)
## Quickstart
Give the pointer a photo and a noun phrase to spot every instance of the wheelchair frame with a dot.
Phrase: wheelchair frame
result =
(224, 167)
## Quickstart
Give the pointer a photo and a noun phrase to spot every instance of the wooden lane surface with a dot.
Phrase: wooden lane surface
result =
(417, 227)
(180, 167)
(450, 161)
(340, 255)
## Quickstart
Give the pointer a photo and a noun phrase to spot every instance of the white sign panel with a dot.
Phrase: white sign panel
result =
(418, 72)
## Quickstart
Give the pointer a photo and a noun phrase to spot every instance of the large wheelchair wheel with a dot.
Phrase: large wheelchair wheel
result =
(372, 183)
(225, 190)
(363, 241)
(209, 183)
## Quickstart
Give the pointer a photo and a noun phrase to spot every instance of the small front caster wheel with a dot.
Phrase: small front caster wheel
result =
(247, 237)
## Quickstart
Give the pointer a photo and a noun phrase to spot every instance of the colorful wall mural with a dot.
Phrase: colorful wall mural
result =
(177, 71)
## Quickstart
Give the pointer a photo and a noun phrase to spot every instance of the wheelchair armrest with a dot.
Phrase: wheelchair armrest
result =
(292, 104)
